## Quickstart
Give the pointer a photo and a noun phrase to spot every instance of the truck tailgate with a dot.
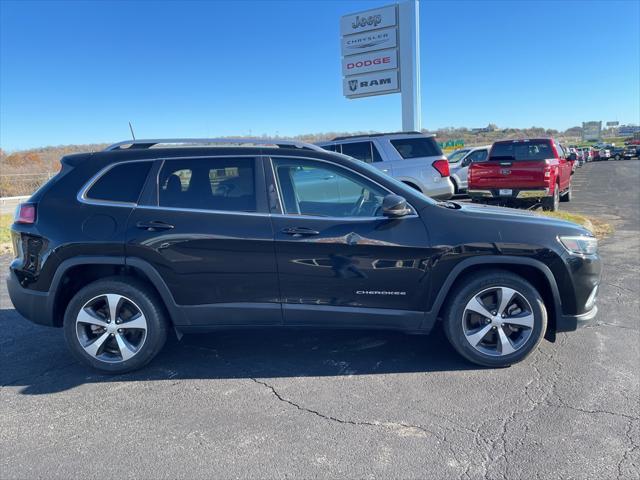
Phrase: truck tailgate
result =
(507, 174)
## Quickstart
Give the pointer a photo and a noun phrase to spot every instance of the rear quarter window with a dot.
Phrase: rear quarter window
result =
(417, 147)
(122, 183)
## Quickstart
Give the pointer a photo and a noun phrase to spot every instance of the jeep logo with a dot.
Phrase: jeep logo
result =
(365, 21)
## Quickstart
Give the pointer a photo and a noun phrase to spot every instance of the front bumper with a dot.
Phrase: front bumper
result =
(33, 305)
(569, 323)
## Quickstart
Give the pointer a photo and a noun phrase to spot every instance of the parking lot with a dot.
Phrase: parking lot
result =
(344, 404)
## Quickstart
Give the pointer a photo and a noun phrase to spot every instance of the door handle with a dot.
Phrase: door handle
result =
(299, 231)
(154, 226)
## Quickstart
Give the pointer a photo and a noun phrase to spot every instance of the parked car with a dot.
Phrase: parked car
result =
(127, 245)
(522, 173)
(588, 154)
(459, 162)
(631, 151)
(579, 161)
(604, 154)
(617, 153)
(411, 157)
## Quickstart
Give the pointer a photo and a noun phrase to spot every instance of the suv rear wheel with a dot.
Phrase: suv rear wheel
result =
(115, 325)
(495, 319)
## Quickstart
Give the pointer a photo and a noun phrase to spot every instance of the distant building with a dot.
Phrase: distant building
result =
(628, 130)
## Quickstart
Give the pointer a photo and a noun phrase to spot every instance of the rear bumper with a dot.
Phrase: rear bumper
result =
(440, 191)
(517, 194)
(31, 304)
(569, 323)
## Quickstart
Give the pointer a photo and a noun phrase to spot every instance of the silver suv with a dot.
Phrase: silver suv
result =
(411, 157)
(459, 162)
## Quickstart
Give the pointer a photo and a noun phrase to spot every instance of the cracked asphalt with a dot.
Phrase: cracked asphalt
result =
(306, 404)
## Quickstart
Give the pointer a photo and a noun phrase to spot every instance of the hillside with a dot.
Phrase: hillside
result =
(21, 172)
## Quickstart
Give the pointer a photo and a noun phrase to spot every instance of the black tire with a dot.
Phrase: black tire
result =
(566, 196)
(144, 298)
(552, 203)
(470, 288)
(456, 191)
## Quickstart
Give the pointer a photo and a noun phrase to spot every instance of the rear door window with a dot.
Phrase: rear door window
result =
(122, 183)
(358, 150)
(225, 184)
(522, 151)
(417, 147)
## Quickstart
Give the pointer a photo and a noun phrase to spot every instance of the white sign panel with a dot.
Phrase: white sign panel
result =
(369, 41)
(368, 20)
(370, 62)
(370, 84)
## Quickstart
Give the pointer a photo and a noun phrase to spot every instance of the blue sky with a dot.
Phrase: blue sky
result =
(77, 72)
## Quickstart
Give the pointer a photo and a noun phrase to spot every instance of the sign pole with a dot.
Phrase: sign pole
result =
(409, 17)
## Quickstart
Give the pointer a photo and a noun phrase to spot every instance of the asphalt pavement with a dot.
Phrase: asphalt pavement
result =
(308, 404)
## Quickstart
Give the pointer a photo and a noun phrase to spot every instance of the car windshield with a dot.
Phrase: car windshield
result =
(416, 147)
(522, 150)
(457, 155)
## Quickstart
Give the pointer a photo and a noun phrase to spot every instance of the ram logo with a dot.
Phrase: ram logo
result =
(353, 85)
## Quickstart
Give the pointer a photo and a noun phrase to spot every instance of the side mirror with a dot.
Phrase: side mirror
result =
(573, 157)
(395, 206)
(466, 162)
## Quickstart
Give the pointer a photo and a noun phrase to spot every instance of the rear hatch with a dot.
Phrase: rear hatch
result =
(513, 164)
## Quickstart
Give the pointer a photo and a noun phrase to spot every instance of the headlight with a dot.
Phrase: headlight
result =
(580, 244)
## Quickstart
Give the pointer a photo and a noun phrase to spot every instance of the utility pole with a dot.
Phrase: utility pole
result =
(409, 13)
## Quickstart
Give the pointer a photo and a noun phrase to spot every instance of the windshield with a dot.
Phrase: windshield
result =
(416, 147)
(522, 150)
(457, 155)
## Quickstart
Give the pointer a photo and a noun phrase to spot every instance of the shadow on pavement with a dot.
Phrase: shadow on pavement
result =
(230, 354)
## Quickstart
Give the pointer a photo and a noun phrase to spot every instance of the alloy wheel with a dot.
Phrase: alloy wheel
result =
(498, 321)
(111, 328)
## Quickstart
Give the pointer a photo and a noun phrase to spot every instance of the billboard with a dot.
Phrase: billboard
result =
(591, 131)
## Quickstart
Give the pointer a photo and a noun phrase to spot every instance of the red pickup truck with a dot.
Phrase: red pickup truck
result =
(523, 172)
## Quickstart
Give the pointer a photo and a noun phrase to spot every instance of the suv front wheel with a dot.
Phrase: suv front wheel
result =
(115, 325)
(495, 319)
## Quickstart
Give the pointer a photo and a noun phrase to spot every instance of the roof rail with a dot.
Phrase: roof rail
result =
(240, 141)
(363, 135)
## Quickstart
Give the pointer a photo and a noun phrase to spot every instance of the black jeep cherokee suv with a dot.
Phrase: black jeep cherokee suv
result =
(126, 245)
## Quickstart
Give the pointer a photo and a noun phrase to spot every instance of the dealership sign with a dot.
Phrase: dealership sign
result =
(369, 41)
(368, 20)
(370, 62)
(370, 52)
(377, 83)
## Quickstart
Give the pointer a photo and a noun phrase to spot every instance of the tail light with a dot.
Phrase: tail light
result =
(442, 166)
(26, 213)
